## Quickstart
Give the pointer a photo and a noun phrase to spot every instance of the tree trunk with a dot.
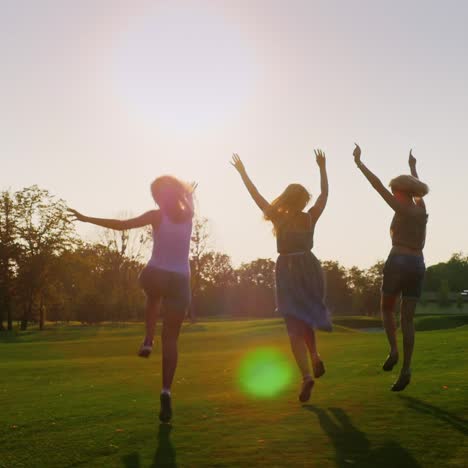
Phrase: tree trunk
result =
(5, 312)
(9, 315)
(26, 316)
(41, 315)
(2, 312)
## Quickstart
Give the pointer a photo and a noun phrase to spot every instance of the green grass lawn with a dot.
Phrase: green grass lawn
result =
(79, 396)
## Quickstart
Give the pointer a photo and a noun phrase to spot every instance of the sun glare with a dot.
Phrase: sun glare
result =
(183, 68)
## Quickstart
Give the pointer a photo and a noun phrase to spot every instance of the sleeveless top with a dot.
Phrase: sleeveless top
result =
(290, 241)
(171, 246)
(409, 230)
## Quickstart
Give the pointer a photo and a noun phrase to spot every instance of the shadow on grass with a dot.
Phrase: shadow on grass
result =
(352, 447)
(455, 421)
(165, 455)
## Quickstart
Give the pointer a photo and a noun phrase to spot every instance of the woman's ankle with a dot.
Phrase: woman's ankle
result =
(405, 370)
(148, 341)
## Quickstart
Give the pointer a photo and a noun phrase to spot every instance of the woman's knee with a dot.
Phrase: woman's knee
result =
(171, 328)
(408, 308)
(387, 304)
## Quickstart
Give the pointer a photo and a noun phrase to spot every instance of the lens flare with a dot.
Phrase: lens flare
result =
(264, 373)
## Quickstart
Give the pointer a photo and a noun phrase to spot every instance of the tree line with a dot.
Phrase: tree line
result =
(47, 272)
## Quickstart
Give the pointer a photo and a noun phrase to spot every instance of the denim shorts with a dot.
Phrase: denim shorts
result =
(172, 288)
(403, 274)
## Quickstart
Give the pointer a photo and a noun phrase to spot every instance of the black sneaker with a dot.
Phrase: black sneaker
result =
(146, 348)
(165, 414)
(319, 369)
(390, 363)
(402, 382)
(306, 390)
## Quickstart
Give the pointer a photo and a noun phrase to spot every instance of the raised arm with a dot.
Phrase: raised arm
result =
(254, 193)
(376, 182)
(150, 217)
(321, 202)
(412, 164)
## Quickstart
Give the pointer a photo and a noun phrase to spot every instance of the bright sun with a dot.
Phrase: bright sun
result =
(185, 68)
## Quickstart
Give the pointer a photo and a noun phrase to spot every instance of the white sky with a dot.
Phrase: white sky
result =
(98, 97)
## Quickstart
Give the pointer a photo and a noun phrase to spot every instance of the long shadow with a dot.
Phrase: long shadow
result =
(132, 460)
(352, 447)
(455, 421)
(165, 455)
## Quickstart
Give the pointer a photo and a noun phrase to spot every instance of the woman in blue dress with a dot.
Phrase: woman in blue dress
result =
(300, 285)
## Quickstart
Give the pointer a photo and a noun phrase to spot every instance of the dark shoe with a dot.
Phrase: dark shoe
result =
(319, 369)
(145, 351)
(146, 348)
(165, 414)
(402, 382)
(306, 390)
(390, 363)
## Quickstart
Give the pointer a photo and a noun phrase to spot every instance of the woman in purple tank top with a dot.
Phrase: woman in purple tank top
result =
(166, 277)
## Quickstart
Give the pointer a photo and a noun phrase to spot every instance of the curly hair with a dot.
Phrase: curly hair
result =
(410, 185)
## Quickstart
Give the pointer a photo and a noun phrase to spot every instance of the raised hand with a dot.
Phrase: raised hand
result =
(320, 158)
(76, 215)
(237, 163)
(357, 154)
(412, 159)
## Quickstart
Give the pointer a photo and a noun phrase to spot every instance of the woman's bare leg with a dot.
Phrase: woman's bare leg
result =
(408, 307)
(296, 332)
(170, 334)
(299, 350)
(311, 342)
(151, 316)
(388, 317)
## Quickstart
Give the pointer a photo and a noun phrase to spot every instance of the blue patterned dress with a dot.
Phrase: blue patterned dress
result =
(300, 282)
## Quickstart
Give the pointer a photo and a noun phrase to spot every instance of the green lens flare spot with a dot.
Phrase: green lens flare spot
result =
(264, 373)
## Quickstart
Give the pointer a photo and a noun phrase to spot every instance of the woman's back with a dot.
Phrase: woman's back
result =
(171, 245)
(408, 229)
(295, 233)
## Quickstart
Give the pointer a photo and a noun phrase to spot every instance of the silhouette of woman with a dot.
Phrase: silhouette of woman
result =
(166, 277)
(405, 268)
(300, 285)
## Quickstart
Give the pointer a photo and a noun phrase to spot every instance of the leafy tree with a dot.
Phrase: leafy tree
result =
(9, 254)
(44, 231)
(444, 293)
(198, 248)
(455, 271)
(338, 293)
(255, 294)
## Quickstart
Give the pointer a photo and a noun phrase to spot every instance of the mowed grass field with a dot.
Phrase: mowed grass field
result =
(79, 396)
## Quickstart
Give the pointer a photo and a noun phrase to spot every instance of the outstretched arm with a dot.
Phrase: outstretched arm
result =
(150, 217)
(412, 164)
(321, 202)
(376, 182)
(254, 193)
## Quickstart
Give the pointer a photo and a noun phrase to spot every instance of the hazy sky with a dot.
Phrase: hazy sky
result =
(98, 97)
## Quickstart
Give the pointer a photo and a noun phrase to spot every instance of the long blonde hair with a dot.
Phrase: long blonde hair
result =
(288, 205)
(410, 185)
(174, 197)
